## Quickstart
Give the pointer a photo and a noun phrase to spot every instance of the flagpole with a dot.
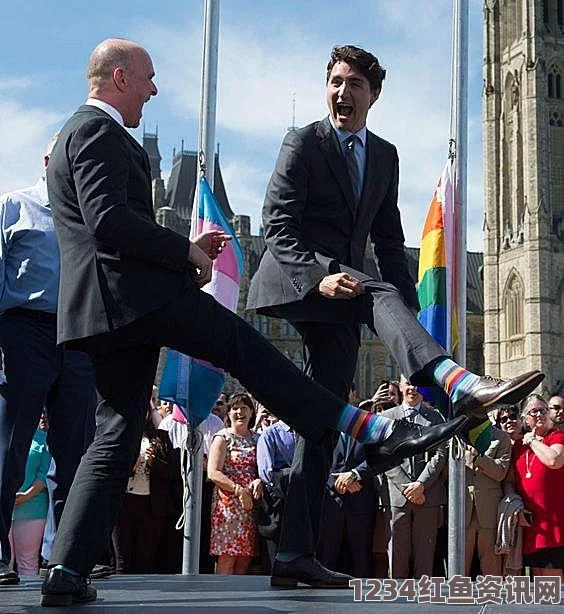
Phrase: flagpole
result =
(459, 141)
(206, 163)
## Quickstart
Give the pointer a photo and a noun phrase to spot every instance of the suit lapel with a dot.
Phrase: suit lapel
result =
(370, 170)
(330, 148)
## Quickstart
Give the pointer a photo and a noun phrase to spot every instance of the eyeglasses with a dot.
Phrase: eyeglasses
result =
(508, 417)
(555, 406)
(536, 410)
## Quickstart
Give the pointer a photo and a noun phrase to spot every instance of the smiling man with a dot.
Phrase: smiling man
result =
(334, 186)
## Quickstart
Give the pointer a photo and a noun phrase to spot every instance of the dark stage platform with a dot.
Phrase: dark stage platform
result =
(227, 595)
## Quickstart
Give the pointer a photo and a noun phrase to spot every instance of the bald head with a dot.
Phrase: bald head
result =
(120, 72)
(107, 56)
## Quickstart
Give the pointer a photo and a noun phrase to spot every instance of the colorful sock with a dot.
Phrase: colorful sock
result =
(69, 571)
(452, 378)
(364, 426)
(288, 556)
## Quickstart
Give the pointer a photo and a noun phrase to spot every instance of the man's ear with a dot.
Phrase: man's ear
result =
(374, 95)
(119, 78)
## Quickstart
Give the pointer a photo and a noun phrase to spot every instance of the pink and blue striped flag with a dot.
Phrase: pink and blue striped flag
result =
(437, 291)
(193, 384)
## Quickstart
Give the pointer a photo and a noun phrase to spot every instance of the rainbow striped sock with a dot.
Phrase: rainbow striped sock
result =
(363, 425)
(452, 378)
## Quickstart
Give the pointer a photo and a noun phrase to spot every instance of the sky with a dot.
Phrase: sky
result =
(269, 51)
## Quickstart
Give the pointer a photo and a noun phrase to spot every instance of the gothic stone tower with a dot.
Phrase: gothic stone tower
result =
(523, 123)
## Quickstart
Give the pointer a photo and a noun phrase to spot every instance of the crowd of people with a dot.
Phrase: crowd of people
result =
(372, 525)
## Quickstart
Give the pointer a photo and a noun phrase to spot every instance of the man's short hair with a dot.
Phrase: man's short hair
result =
(363, 60)
(105, 58)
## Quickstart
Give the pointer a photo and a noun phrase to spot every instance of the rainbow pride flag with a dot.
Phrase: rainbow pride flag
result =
(437, 291)
(436, 280)
(193, 384)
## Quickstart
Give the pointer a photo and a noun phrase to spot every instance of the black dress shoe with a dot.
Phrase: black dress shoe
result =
(488, 392)
(101, 571)
(307, 570)
(61, 589)
(8, 576)
(408, 439)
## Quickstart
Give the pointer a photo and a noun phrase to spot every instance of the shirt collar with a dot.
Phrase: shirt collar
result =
(107, 108)
(416, 408)
(343, 135)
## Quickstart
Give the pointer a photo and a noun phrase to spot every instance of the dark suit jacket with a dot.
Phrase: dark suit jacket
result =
(348, 457)
(312, 224)
(117, 263)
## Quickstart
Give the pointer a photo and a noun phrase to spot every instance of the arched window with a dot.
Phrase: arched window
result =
(298, 360)
(264, 325)
(256, 322)
(514, 308)
(284, 329)
(391, 368)
(554, 82)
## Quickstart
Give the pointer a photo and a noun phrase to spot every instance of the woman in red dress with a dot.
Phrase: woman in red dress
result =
(539, 479)
(232, 467)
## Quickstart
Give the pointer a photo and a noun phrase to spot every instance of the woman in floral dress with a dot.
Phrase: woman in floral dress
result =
(232, 467)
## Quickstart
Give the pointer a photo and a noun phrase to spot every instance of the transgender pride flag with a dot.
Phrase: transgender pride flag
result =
(193, 384)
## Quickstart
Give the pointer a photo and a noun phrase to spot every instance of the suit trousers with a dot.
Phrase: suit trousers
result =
(125, 363)
(413, 530)
(484, 540)
(330, 352)
(350, 520)
(39, 376)
(331, 338)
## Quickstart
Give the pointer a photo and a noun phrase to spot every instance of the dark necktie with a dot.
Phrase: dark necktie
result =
(352, 166)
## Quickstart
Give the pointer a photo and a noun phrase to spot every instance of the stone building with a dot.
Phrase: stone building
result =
(173, 208)
(523, 126)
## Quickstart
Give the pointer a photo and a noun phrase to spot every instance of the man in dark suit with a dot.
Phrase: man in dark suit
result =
(128, 287)
(334, 185)
(348, 510)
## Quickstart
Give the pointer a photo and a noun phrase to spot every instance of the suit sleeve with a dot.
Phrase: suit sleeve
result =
(284, 205)
(101, 170)
(496, 467)
(388, 241)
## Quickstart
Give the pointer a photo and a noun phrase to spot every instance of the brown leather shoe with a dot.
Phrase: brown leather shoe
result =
(490, 392)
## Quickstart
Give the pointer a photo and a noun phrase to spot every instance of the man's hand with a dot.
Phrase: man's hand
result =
(354, 487)
(343, 481)
(413, 491)
(340, 285)
(202, 263)
(212, 242)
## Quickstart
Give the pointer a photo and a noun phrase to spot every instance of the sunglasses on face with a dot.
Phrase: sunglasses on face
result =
(537, 410)
(556, 407)
(508, 417)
